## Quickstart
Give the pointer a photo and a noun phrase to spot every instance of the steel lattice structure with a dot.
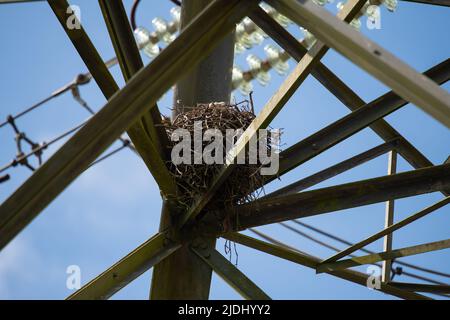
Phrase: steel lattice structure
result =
(133, 109)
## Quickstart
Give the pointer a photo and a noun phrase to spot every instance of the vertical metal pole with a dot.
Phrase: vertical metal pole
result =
(389, 220)
(184, 275)
(211, 80)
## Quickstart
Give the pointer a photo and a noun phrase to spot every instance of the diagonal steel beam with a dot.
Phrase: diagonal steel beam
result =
(349, 195)
(445, 3)
(18, 1)
(335, 169)
(127, 269)
(232, 275)
(123, 109)
(350, 124)
(389, 230)
(145, 137)
(270, 110)
(382, 256)
(380, 63)
(336, 86)
(312, 262)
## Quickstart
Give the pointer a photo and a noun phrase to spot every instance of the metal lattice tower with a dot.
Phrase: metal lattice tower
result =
(183, 238)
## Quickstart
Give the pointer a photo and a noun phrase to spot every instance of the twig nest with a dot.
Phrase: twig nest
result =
(195, 178)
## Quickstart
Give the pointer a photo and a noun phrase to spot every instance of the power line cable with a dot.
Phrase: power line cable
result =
(79, 80)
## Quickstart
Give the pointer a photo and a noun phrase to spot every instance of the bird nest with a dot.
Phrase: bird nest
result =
(194, 180)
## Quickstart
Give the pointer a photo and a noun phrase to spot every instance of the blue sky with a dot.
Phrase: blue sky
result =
(115, 206)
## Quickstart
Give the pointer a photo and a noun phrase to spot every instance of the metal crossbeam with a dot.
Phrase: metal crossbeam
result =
(389, 230)
(382, 256)
(270, 110)
(125, 107)
(336, 86)
(420, 287)
(18, 1)
(350, 124)
(127, 269)
(349, 195)
(380, 63)
(209, 81)
(335, 169)
(232, 275)
(312, 262)
(142, 133)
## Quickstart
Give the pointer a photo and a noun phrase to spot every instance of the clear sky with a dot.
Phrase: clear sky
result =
(115, 206)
